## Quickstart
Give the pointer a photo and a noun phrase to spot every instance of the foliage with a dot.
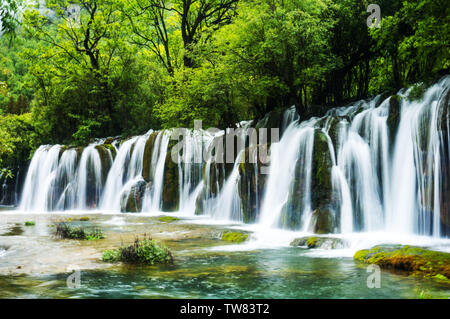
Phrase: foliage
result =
(30, 223)
(142, 251)
(66, 231)
(121, 67)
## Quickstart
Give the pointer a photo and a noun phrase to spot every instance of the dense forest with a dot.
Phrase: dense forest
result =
(74, 70)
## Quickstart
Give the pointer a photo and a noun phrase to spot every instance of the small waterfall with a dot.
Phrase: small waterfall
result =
(89, 179)
(42, 171)
(283, 158)
(125, 171)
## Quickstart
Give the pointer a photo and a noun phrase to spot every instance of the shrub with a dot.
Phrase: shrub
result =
(142, 251)
(30, 223)
(66, 231)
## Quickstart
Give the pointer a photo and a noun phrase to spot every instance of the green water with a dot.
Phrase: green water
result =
(280, 273)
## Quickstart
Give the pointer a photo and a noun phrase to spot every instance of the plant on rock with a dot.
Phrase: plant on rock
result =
(66, 231)
(142, 251)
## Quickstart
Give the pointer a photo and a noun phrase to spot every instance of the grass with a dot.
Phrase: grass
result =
(142, 251)
(66, 231)
(30, 223)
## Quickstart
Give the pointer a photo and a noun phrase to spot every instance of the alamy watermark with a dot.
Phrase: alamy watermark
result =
(226, 146)
(374, 19)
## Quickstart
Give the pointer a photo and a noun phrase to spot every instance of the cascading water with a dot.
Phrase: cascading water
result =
(370, 166)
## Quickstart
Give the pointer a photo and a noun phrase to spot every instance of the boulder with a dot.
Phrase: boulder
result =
(319, 242)
(132, 201)
(323, 220)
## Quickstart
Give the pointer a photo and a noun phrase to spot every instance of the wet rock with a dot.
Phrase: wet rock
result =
(252, 181)
(171, 188)
(323, 220)
(444, 127)
(414, 260)
(234, 236)
(148, 151)
(132, 201)
(106, 158)
(393, 119)
(319, 242)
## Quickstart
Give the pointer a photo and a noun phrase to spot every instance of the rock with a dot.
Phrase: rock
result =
(321, 184)
(171, 188)
(444, 127)
(148, 151)
(323, 220)
(393, 119)
(414, 260)
(319, 242)
(234, 236)
(168, 219)
(106, 159)
(132, 201)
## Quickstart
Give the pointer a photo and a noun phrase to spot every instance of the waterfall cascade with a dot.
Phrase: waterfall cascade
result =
(377, 165)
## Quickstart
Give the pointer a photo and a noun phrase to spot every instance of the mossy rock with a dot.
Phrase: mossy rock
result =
(106, 159)
(132, 202)
(393, 119)
(167, 219)
(84, 219)
(323, 220)
(234, 237)
(30, 223)
(414, 260)
(171, 190)
(319, 242)
(321, 184)
(147, 160)
(252, 182)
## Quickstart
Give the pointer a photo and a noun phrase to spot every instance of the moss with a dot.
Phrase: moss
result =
(147, 158)
(417, 91)
(30, 223)
(167, 219)
(234, 237)
(312, 242)
(414, 260)
(84, 219)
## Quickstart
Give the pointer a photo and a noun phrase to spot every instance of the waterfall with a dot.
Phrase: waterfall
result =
(375, 165)
(152, 199)
(125, 171)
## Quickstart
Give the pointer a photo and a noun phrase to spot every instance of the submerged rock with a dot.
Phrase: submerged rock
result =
(319, 242)
(132, 201)
(414, 260)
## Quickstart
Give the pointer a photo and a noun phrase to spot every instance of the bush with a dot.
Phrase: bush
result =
(30, 223)
(66, 231)
(142, 251)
